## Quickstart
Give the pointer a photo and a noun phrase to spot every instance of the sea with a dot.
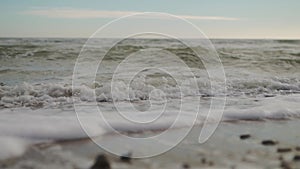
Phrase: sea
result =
(62, 88)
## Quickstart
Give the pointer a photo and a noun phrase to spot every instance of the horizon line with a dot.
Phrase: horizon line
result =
(213, 38)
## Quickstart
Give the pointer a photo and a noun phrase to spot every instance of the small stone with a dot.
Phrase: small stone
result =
(297, 148)
(269, 95)
(206, 95)
(285, 165)
(203, 160)
(126, 158)
(297, 158)
(210, 163)
(268, 142)
(3, 165)
(185, 165)
(245, 136)
(101, 162)
(284, 150)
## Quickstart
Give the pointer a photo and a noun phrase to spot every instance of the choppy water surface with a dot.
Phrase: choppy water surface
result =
(262, 77)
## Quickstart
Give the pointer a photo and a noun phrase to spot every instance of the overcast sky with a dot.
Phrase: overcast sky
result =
(260, 19)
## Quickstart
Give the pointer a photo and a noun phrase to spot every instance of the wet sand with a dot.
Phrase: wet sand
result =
(240, 144)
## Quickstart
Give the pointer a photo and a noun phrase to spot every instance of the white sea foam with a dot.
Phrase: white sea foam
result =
(276, 108)
(21, 127)
(11, 147)
(45, 95)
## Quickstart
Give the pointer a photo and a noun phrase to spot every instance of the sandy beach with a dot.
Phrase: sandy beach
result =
(227, 149)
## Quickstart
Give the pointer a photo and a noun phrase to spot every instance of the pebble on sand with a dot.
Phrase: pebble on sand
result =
(245, 136)
(126, 158)
(203, 160)
(284, 150)
(297, 158)
(210, 163)
(101, 162)
(185, 166)
(269, 142)
(285, 165)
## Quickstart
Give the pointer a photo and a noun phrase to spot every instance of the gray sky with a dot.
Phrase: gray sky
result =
(261, 19)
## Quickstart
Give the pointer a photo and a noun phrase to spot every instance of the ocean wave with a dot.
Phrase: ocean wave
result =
(42, 95)
(289, 41)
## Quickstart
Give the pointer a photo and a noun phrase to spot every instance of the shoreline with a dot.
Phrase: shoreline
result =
(225, 149)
